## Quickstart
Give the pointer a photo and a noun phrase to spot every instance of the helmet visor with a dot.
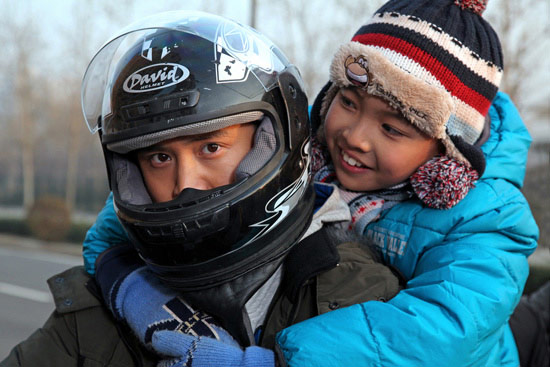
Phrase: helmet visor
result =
(236, 45)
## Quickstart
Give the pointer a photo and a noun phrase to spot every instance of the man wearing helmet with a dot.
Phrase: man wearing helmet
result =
(204, 128)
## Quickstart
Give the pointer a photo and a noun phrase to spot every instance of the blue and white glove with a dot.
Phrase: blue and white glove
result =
(148, 306)
(163, 321)
(199, 351)
(135, 295)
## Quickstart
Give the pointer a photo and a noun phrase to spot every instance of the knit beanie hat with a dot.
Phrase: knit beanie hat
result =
(439, 63)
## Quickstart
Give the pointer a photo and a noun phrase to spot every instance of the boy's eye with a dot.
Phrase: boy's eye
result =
(210, 148)
(346, 101)
(390, 130)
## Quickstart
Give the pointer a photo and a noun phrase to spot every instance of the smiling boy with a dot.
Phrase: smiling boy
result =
(376, 146)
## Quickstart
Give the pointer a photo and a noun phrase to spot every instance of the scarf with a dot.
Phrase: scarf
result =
(364, 206)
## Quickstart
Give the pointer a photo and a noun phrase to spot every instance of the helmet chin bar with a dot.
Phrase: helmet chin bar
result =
(226, 298)
(225, 254)
(224, 293)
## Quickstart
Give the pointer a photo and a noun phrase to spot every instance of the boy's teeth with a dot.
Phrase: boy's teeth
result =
(351, 161)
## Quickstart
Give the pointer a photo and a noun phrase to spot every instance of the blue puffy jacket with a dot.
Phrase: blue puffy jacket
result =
(466, 268)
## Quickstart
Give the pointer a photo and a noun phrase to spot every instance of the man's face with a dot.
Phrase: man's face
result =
(203, 162)
(372, 145)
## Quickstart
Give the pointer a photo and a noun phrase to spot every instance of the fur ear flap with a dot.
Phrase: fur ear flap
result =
(442, 182)
(472, 153)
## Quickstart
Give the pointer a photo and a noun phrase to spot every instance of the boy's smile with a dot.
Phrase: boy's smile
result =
(201, 162)
(351, 163)
(372, 145)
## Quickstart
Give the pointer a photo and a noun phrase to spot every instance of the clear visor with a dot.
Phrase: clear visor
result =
(257, 54)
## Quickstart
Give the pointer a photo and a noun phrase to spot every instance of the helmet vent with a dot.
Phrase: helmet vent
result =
(158, 106)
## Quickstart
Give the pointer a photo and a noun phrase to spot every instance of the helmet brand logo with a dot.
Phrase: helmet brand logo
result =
(153, 77)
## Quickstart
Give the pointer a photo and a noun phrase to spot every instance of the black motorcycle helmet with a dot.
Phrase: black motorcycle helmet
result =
(186, 73)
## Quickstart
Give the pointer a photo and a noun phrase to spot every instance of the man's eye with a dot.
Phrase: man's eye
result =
(211, 148)
(160, 158)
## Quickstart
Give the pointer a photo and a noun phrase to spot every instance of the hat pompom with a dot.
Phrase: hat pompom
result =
(475, 6)
(442, 182)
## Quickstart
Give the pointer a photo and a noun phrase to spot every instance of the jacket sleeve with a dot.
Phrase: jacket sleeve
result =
(454, 309)
(52, 345)
(104, 233)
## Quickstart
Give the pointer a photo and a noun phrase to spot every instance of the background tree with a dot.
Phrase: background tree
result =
(22, 71)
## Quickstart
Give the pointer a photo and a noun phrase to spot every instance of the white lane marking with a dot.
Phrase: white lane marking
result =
(43, 256)
(26, 293)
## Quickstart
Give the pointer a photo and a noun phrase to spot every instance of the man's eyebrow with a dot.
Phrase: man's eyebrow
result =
(190, 138)
(213, 134)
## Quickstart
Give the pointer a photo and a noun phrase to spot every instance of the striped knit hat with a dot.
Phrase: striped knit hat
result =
(436, 61)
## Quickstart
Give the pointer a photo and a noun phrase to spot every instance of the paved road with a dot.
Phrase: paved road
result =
(25, 302)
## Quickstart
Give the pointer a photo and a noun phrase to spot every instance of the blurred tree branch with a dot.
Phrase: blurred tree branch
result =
(310, 32)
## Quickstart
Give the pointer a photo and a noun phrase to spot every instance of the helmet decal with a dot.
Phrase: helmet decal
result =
(282, 203)
(146, 50)
(229, 69)
(237, 51)
(156, 76)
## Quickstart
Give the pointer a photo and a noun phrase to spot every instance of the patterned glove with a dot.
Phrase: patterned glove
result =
(200, 351)
(136, 296)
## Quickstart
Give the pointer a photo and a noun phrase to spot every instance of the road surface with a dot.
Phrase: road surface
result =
(25, 302)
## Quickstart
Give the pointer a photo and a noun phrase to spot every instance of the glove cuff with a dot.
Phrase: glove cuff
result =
(112, 267)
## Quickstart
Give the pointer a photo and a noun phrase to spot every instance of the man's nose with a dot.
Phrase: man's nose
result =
(189, 175)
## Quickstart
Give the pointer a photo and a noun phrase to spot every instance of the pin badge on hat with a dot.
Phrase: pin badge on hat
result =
(357, 70)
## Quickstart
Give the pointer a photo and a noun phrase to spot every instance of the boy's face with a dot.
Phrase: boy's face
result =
(203, 162)
(372, 145)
